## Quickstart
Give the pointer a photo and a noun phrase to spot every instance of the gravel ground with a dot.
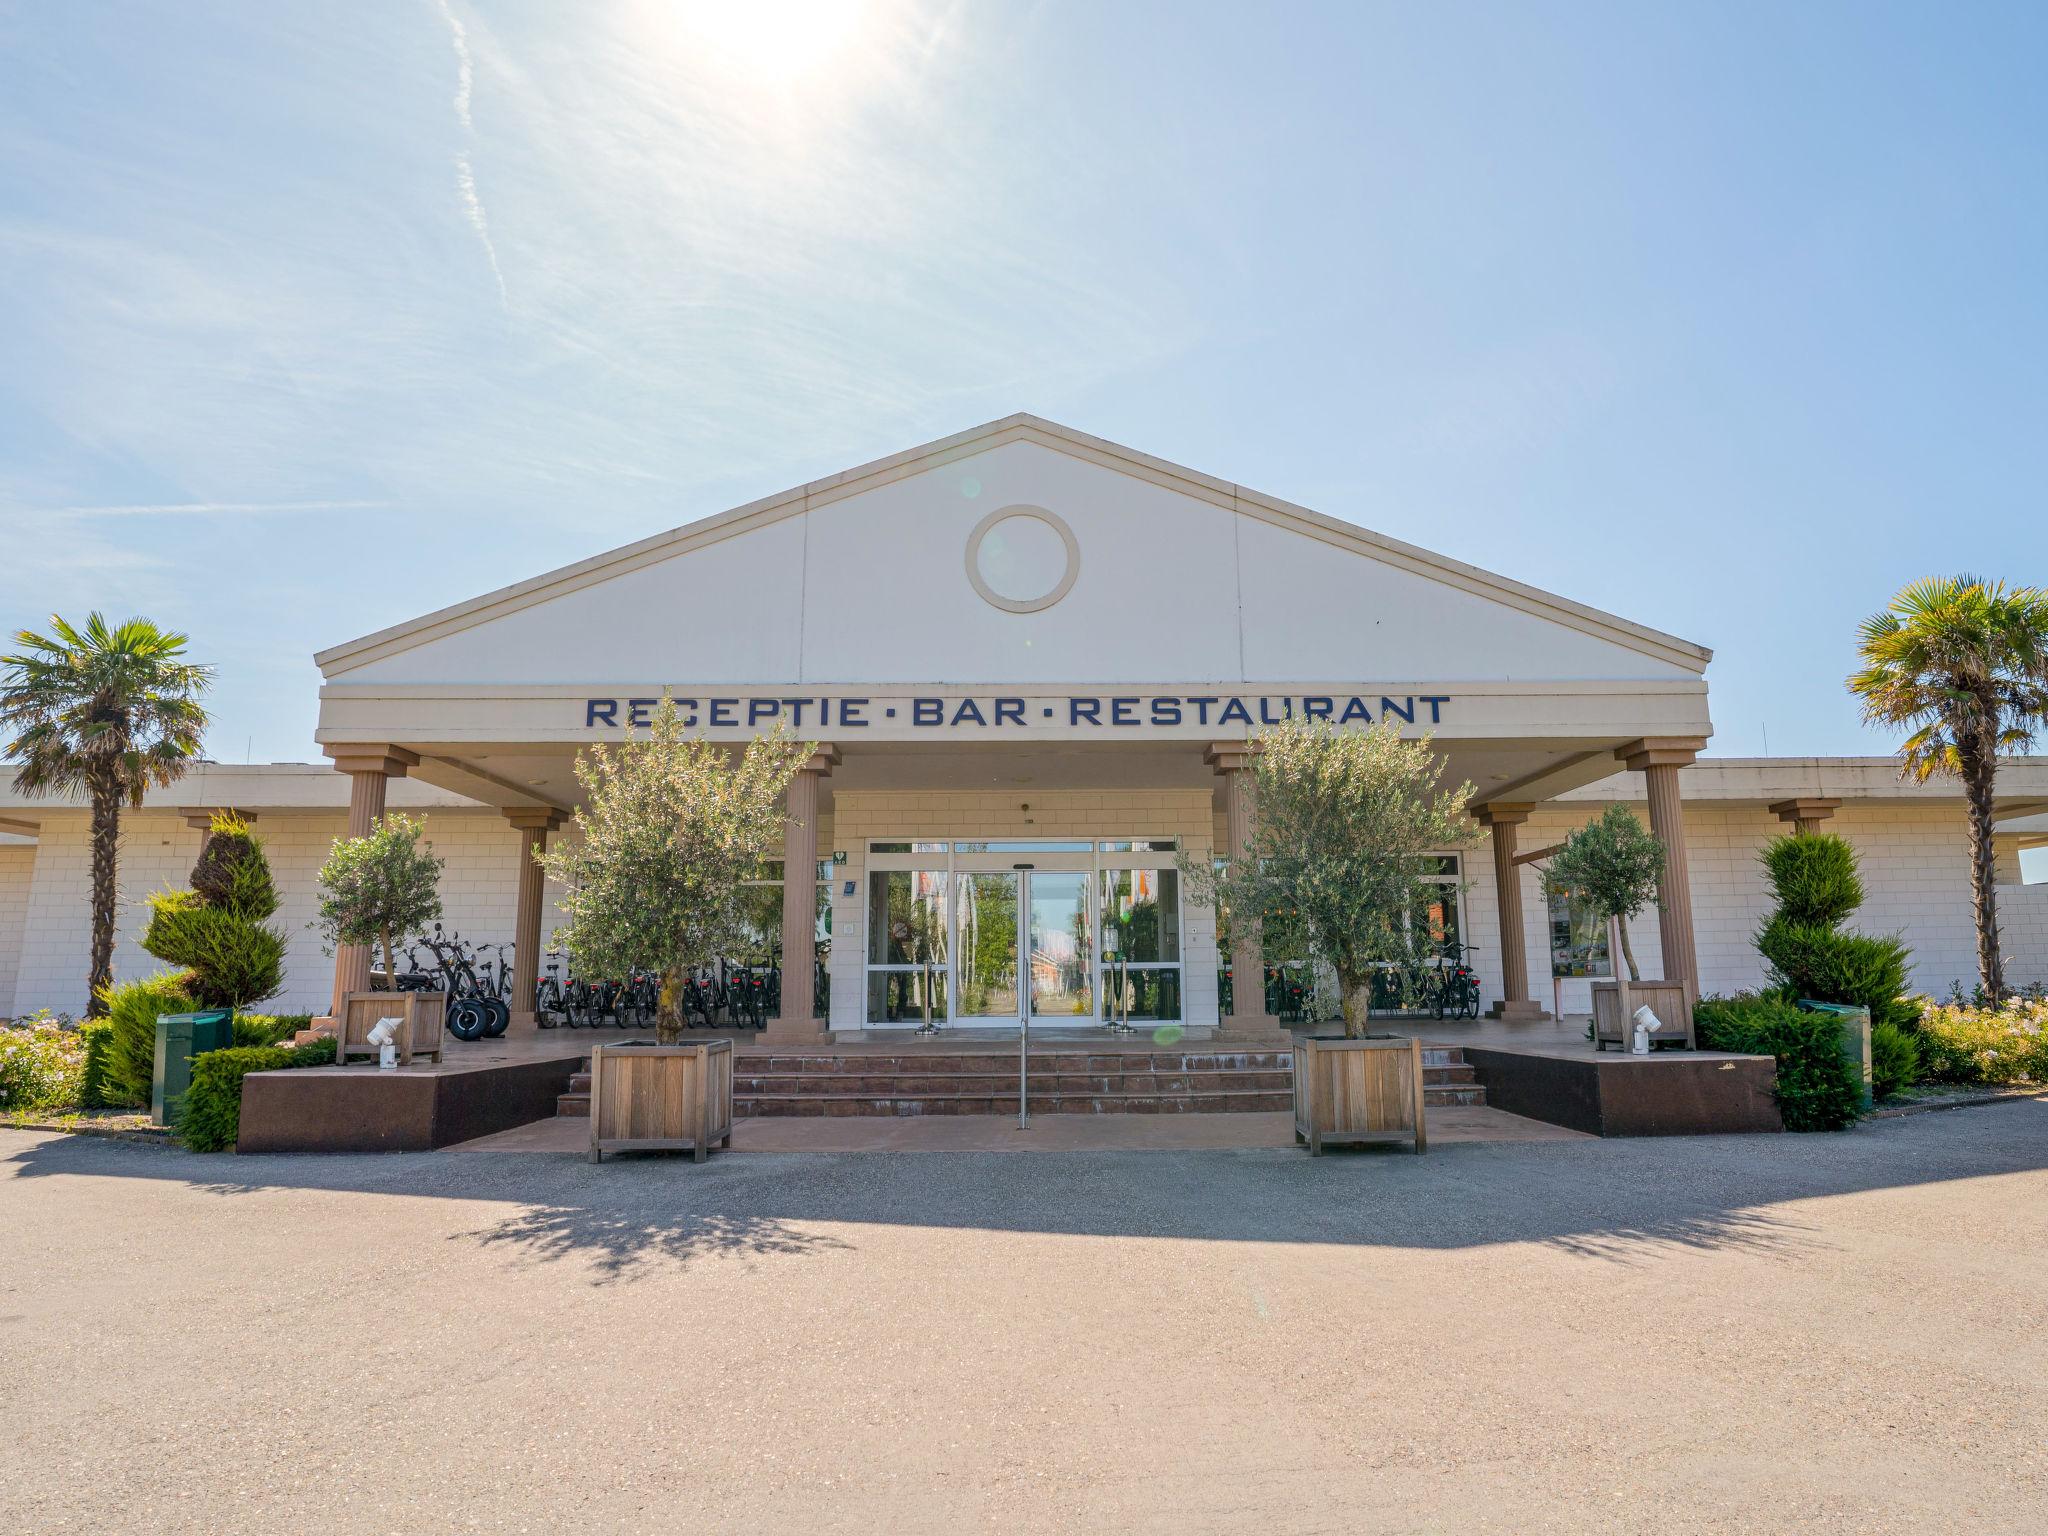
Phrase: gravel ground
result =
(1825, 1333)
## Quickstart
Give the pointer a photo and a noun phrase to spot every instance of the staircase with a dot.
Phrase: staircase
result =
(1063, 1082)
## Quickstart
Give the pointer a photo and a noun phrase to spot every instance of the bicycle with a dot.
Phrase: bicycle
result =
(1454, 988)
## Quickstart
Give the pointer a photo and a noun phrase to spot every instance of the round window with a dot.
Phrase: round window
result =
(1022, 558)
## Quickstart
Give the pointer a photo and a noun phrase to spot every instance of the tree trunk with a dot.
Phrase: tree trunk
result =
(390, 964)
(106, 843)
(1979, 771)
(1357, 1004)
(668, 1016)
(1627, 952)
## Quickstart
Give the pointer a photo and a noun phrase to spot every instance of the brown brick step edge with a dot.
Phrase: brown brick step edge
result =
(577, 1103)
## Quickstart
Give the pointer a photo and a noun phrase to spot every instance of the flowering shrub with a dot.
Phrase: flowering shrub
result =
(42, 1061)
(1964, 1044)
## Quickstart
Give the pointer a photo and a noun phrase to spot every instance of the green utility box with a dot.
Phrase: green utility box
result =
(180, 1037)
(1855, 1036)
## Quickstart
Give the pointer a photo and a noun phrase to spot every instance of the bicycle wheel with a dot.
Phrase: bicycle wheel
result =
(498, 1015)
(467, 1019)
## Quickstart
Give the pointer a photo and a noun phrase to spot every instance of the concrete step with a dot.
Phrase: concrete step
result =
(1062, 1082)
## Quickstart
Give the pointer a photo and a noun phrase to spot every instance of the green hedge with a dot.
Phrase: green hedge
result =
(268, 1028)
(213, 1107)
(98, 1037)
(131, 1013)
(1817, 1089)
(1894, 1060)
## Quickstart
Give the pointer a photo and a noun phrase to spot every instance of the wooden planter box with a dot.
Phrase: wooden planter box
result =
(1358, 1091)
(670, 1098)
(419, 1032)
(1615, 1004)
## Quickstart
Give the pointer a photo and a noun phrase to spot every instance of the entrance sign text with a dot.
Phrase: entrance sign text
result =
(992, 713)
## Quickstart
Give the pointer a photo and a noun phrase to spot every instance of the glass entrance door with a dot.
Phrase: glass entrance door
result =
(986, 953)
(1059, 944)
(1024, 939)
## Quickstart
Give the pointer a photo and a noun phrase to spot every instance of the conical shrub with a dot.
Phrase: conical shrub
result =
(217, 931)
(1818, 887)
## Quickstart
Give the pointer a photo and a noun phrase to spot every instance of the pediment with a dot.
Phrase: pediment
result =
(1020, 553)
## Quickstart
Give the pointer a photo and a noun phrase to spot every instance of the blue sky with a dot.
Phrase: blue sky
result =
(1728, 318)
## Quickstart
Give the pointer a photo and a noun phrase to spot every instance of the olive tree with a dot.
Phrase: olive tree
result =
(378, 887)
(669, 827)
(1611, 866)
(1344, 826)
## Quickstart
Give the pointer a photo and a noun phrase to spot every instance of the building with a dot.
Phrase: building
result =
(1031, 660)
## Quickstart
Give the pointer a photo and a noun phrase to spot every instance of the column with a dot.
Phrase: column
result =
(1516, 1004)
(1248, 1016)
(1805, 813)
(369, 768)
(1658, 759)
(533, 824)
(793, 1024)
(200, 819)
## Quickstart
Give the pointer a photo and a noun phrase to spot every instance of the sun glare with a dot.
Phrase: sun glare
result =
(771, 41)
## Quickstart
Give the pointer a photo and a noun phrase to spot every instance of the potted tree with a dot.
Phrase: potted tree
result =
(372, 890)
(1346, 826)
(1611, 867)
(670, 828)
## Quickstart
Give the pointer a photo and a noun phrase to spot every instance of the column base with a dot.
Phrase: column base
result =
(798, 1035)
(1253, 1029)
(1518, 1010)
(527, 1024)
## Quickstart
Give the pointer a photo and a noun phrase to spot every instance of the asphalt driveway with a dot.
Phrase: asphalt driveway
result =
(1816, 1333)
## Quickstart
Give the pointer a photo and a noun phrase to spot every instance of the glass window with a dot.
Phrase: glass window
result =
(1434, 922)
(1139, 845)
(1578, 937)
(1024, 845)
(1149, 993)
(907, 917)
(882, 847)
(899, 997)
(1141, 915)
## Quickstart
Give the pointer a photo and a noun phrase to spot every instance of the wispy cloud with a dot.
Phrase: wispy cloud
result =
(213, 508)
(465, 172)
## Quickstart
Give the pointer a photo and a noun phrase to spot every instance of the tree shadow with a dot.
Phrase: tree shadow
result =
(1638, 1243)
(1617, 1202)
(628, 1244)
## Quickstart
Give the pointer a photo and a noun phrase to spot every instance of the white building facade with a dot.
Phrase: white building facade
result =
(1032, 661)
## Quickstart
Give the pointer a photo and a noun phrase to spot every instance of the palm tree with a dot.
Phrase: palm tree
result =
(111, 710)
(1963, 663)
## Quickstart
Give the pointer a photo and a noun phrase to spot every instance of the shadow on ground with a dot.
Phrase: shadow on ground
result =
(1617, 1201)
(621, 1244)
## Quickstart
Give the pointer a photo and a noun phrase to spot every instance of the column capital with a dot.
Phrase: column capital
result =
(1503, 813)
(821, 761)
(1230, 756)
(533, 818)
(200, 817)
(372, 757)
(1660, 752)
(1804, 808)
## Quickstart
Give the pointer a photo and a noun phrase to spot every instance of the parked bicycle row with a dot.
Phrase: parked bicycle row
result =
(1444, 986)
(478, 979)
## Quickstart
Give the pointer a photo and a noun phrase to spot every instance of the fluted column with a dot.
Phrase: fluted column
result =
(533, 826)
(1658, 759)
(1248, 1017)
(1516, 1004)
(369, 768)
(200, 819)
(794, 1023)
(1805, 813)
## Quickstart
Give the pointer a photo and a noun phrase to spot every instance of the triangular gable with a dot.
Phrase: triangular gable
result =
(863, 576)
